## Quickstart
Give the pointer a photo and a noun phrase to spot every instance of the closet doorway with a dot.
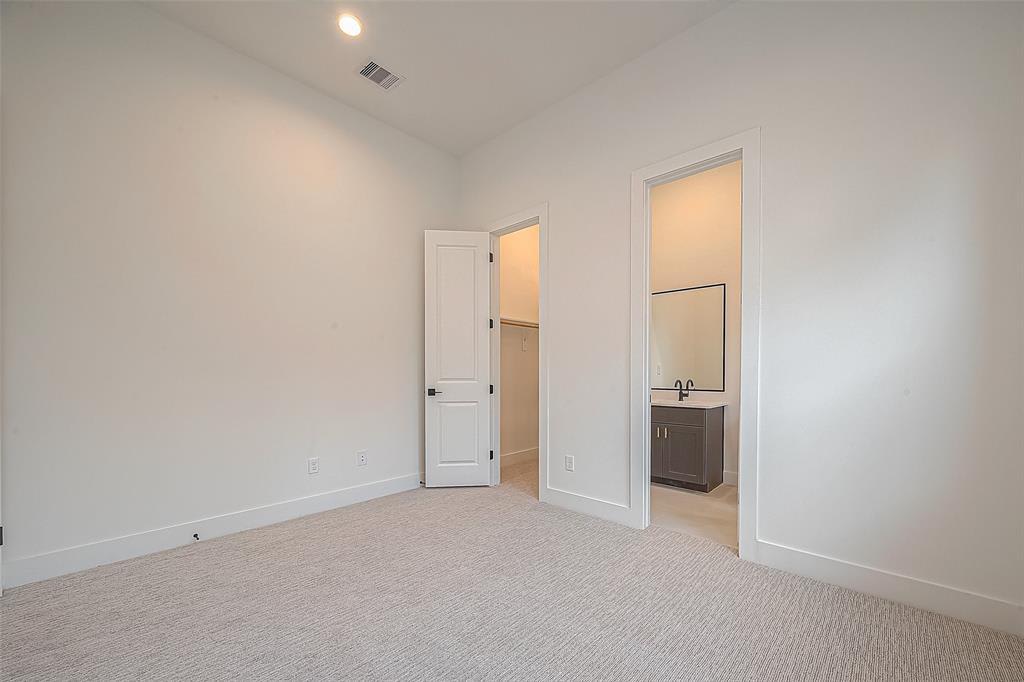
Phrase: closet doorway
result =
(515, 360)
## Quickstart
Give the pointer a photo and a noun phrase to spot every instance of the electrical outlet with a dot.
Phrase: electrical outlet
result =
(360, 458)
(570, 463)
(313, 465)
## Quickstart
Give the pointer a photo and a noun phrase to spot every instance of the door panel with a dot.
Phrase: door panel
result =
(457, 426)
(457, 358)
(684, 453)
(457, 313)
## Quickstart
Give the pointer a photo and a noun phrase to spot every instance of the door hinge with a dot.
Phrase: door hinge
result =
(491, 259)
(492, 454)
(492, 389)
(2, 528)
(491, 324)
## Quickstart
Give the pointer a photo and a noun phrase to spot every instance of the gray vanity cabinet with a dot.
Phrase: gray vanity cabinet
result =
(687, 446)
(683, 454)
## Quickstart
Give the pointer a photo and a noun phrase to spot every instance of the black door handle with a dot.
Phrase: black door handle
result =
(433, 392)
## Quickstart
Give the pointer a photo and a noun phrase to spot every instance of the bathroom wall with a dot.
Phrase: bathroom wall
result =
(695, 240)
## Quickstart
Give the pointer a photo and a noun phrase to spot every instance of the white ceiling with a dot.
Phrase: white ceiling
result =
(474, 69)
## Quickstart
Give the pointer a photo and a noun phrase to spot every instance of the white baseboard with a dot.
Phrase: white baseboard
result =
(71, 559)
(730, 477)
(970, 606)
(519, 456)
(592, 506)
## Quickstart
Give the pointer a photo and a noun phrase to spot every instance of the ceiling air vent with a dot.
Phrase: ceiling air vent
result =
(378, 74)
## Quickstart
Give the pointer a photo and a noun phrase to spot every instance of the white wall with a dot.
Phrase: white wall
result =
(695, 240)
(206, 280)
(519, 391)
(891, 295)
(520, 275)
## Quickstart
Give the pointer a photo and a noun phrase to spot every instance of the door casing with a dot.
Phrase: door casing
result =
(538, 215)
(745, 146)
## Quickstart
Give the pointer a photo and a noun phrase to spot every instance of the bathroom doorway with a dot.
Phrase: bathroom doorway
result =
(695, 248)
(695, 350)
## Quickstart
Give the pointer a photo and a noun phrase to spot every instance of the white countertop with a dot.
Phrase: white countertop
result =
(692, 403)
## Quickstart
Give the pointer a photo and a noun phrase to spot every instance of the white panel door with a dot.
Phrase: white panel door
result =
(457, 362)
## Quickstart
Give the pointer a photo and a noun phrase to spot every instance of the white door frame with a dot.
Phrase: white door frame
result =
(746, 145)
(1, 447)
(538, 215)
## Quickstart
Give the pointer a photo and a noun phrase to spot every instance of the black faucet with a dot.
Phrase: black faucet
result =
(684, 392)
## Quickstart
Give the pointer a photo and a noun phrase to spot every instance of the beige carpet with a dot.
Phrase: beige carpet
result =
(473, 584)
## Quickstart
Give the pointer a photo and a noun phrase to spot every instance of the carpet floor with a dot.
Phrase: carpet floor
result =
(473, 584)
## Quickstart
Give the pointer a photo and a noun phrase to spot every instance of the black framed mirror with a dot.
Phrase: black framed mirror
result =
(688, 337)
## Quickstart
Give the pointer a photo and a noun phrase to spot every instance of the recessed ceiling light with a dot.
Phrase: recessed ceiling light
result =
(350, 25)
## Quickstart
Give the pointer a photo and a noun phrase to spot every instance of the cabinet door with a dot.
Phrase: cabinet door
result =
(683, 453)
(657, 450)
